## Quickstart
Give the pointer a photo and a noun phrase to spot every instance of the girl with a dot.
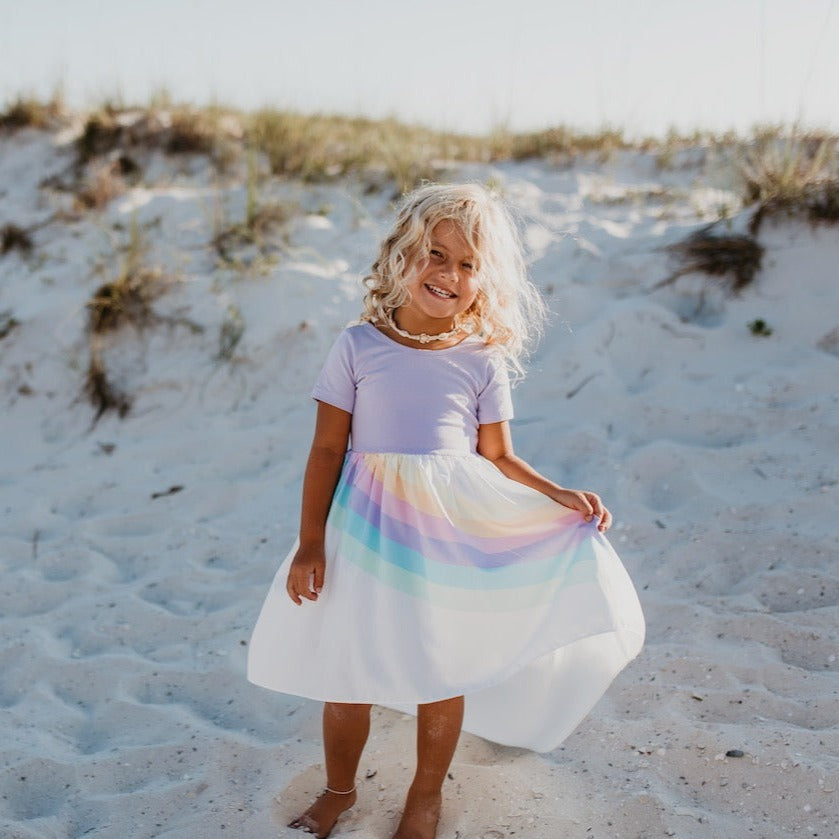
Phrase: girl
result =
(432, 561)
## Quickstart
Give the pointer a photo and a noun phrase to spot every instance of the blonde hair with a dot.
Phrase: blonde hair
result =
(508, 311)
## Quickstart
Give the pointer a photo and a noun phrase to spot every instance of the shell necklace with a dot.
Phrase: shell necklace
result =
(423, 337)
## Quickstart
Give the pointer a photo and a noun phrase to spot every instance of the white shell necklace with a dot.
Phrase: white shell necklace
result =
(423, 337)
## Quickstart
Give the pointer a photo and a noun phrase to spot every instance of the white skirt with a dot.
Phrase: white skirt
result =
(445, 578)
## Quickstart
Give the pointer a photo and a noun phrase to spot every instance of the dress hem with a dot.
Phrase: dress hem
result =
(502, 677)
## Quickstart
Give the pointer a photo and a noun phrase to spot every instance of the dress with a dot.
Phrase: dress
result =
(443, 576)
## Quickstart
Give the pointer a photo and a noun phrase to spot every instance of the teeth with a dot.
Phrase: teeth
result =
(440, 291)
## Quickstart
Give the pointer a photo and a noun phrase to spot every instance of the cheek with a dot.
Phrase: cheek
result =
(470, 295)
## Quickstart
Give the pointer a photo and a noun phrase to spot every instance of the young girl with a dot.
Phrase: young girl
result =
(432, 561)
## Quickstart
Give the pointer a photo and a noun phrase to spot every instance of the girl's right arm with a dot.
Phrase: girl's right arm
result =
(329, 447)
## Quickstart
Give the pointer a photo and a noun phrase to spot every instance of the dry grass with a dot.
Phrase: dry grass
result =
(793, 174)
(127, 298)
(261, 225)
(734, 259)
(103, 184)
(13, 237)
(31, 112)
(559, 142)
(260, 228)
(8, 323)
(318, 147)
(783, 171)
(230, 332)
(176, 130)
(99, 389)
(124, 300)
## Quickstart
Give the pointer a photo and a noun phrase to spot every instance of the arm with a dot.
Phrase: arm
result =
(329, 446)
(496, 445)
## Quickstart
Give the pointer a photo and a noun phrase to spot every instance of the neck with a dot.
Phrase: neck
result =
(423, 337)
(431, 326)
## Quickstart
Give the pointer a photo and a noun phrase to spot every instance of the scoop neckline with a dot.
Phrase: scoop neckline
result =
(468, 339)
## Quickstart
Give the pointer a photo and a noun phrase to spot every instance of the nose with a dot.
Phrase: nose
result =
(449, 269)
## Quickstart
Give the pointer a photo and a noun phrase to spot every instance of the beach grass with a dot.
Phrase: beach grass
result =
(27, 111)
(780, 169)
(127, 297)
(125, 300)
(791, 173)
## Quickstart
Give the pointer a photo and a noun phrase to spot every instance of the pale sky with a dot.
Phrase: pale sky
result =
(641, 65)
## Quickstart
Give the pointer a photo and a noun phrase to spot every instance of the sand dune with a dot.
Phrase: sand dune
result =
(126, 604)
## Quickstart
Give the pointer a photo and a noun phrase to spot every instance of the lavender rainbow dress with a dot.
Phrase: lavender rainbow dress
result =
(444, 577)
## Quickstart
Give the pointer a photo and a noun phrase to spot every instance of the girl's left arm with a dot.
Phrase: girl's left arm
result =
(496, 445)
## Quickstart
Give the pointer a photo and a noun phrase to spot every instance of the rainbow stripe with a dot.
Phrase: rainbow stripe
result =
(455, 531)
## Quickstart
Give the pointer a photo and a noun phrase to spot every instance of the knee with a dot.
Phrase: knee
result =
(347, 709)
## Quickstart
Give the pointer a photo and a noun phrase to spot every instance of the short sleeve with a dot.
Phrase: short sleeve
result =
(495, 403)
(336, 383)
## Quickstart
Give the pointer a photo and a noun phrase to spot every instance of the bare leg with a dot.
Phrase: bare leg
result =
(438, 727)
(345, 730)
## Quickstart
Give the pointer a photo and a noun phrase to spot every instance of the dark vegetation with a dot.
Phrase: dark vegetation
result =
(733, 259)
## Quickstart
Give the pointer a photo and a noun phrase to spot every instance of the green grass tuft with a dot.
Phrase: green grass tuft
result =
(760, 327)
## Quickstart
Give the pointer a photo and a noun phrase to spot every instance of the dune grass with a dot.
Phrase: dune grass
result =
(31, 112)
(781, 169)
(178, 130)
(318, 147)
(124, 300)
(791, 173)
(127, 297)
(262, 224)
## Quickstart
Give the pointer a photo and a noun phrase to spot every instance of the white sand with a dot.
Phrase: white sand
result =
(125, 711)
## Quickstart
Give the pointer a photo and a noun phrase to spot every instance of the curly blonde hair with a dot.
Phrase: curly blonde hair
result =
(508, 310)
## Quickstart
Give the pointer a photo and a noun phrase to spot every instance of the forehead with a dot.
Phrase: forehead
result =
(449, 234)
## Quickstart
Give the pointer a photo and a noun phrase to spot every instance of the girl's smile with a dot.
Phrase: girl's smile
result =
(442, 285)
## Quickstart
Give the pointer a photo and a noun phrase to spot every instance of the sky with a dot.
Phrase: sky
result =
(464, 65)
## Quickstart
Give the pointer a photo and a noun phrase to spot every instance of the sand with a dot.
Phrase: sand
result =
(127, 604)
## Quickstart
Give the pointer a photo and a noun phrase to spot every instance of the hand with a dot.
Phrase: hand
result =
(588, 503)
(305, 577)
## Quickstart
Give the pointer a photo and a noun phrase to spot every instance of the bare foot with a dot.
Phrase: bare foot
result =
(420, 817)
(320, 818)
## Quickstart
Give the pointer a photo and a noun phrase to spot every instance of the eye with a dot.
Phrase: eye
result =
(468, 266)
(436, 254)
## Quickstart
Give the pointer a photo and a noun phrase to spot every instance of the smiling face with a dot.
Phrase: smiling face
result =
(443, 283)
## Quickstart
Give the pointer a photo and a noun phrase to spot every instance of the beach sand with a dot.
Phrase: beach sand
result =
(127, 604)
